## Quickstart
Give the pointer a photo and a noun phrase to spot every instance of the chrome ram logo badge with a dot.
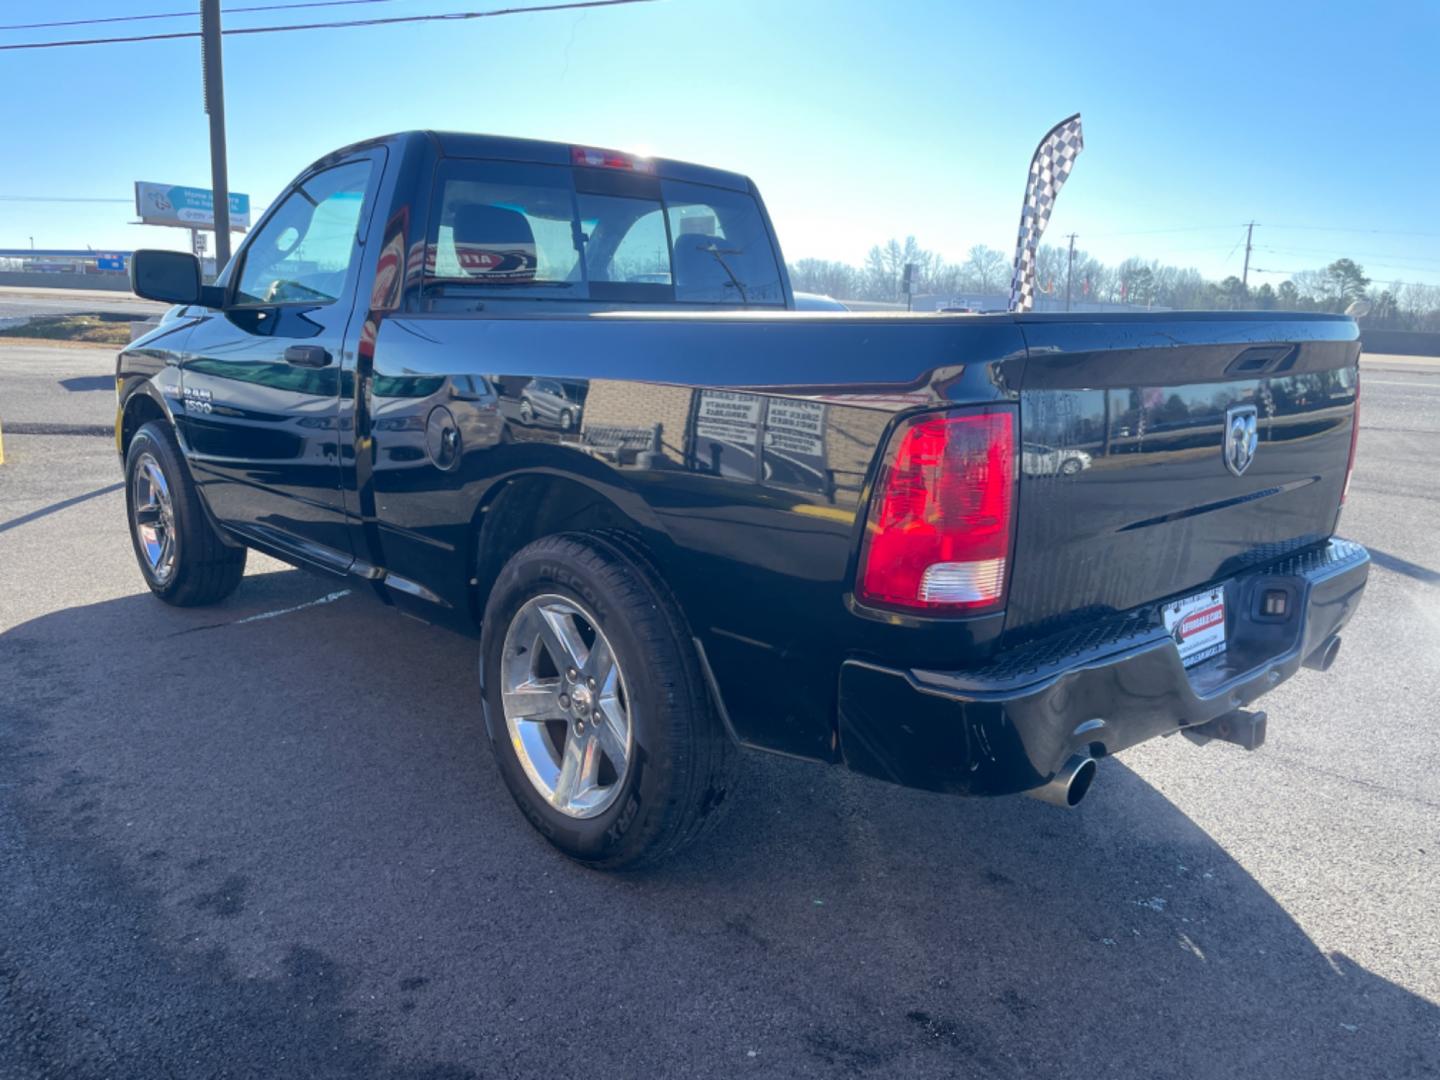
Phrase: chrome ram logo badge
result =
(1240, 438)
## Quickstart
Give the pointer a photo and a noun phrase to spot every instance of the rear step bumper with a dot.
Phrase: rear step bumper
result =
(1013, 725)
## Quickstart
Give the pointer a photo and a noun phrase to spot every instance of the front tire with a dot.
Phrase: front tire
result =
(595, 705)
(181, 556)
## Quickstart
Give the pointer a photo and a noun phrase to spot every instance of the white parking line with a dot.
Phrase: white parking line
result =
(329, 598)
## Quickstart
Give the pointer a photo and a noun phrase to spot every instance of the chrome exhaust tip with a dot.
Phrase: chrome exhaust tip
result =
(1323, 657)
(1069, 785)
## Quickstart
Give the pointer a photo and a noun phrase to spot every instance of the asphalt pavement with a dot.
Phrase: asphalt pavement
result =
(17, 302)
(57, 390)
(267, 839)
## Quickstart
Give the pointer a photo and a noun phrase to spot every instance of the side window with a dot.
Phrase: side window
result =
(303, 251)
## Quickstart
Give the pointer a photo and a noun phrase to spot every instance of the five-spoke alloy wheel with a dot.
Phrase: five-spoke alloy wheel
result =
(602, 724)
(153, 517)
(565, 705)
(185, 560)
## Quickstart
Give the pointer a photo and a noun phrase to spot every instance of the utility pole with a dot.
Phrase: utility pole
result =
(1069, 271)
(1245, 274)
(214, 73)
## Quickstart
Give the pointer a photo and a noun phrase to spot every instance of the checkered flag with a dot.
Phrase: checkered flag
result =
(1049, 168)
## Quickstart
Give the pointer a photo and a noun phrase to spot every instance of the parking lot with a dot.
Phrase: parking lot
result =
(268, 838)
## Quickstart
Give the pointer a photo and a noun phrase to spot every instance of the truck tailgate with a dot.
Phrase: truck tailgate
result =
(1126, 496)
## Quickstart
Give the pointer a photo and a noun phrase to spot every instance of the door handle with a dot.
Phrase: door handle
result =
(307, 356)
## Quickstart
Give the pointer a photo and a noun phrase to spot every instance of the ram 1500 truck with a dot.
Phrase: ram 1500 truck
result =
(561, 395)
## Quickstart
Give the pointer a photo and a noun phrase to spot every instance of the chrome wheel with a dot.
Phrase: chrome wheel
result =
(154, 518)
(565, 706)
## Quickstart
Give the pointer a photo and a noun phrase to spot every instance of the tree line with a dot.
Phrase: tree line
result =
(1137, 282)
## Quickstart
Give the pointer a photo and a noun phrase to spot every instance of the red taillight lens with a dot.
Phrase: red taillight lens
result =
(938, 535)
(609, 159)
(1354, 438)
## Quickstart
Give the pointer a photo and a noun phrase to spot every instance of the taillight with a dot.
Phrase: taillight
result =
(609, 159)
(1354, 437)
(938, 535)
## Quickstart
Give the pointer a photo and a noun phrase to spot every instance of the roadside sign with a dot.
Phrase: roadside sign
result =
(107, 261)
(193, 208)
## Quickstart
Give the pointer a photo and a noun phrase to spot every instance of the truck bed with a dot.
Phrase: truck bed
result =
(747, 442)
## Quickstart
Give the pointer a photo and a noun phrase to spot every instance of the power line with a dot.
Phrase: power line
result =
(1350, 254)
(1333, 228)
(188, 14)
(1320, 269)
(457, 16)
(1178, 228)
(60, 199)
(1242, 224)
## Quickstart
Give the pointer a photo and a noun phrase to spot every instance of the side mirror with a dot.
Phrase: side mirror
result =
(172, 277)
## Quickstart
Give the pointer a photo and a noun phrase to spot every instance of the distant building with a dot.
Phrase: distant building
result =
(64, 261)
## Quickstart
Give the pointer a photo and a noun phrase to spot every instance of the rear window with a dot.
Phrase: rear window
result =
(553, 232)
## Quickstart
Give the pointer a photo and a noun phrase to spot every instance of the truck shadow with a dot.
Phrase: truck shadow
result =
(206, 806)
(1412, 570)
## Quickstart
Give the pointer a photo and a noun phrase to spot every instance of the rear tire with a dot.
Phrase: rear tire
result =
(680, 765)
(181, 556)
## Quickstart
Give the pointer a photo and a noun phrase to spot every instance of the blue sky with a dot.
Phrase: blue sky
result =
(858, 120)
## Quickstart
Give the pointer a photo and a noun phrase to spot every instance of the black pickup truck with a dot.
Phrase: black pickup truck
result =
(562, 395)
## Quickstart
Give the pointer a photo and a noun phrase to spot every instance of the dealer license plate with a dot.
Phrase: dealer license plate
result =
(1197, 623)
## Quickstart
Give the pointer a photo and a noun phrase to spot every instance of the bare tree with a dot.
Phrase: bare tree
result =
(1091, 280)
(985, 269)
(1404, 305)
(823, 276)
(885, 268)
(1051, 263)
(1311, 285)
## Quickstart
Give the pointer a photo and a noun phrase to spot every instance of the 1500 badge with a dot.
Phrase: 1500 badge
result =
(196, 400)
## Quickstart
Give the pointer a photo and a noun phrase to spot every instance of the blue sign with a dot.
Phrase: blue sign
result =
(110, 262)
(165, 204)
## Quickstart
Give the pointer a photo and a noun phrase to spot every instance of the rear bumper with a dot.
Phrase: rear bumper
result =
(1010, 726)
